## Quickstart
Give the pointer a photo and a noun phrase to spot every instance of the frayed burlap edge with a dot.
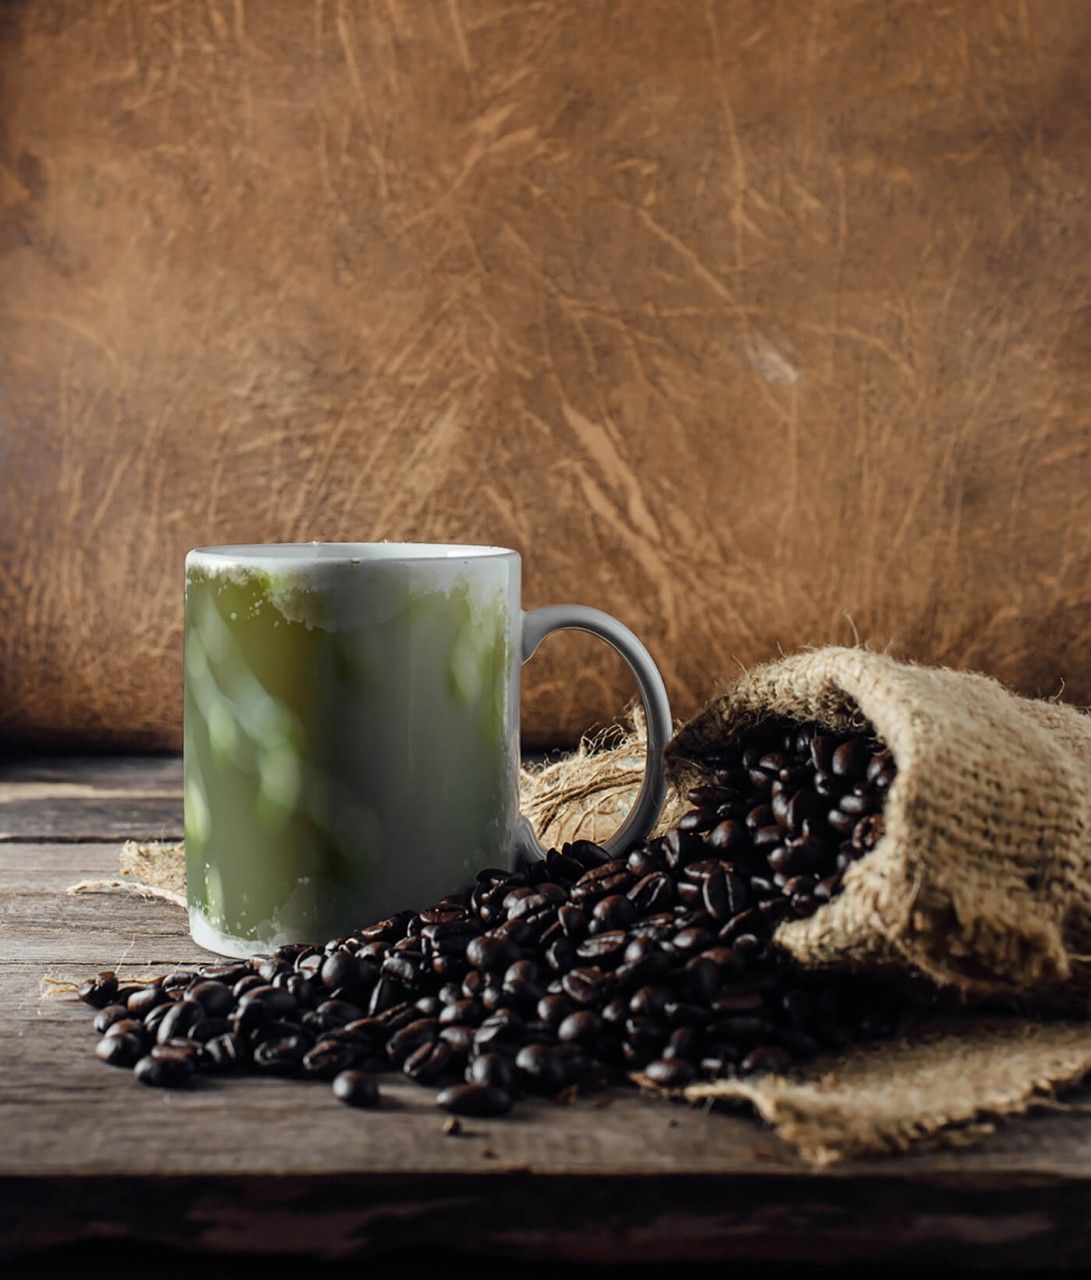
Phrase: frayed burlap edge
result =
(945, 1084)
(150, 870)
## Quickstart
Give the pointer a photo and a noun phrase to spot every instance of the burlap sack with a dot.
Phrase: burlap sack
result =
(982, 881)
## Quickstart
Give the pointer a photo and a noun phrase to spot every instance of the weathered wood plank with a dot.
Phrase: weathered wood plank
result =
(113, 773)
(622, 1219)
(92, 818)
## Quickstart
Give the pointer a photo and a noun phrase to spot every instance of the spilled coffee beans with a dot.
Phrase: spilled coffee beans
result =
(576, 971)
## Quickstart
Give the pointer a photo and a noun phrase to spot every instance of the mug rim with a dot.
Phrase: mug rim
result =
(350, 553)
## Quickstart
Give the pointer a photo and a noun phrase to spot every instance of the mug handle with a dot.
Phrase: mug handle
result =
(539, 623)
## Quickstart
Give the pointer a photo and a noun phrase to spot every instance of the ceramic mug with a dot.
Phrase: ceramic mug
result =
(352, 731)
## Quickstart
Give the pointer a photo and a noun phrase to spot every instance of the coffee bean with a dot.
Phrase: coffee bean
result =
(224, 1053)
(850, 760)
(429, 1062)
(100, 990)
(490, 953)
(355, 1089)
(586, 986)
(582, 1027)
(766, 1057)
(142, 1002)
(586, 853)
(120, 1050)
(683, 1042)
(409, 1038)
(474, 1099)
(539, 1069)
(178, 1048)
(604, 947)
(282, 1056)
(670, 1073)
(106, 1017)
(492, 1069)
(178, 1020)
(729, 837)
(164, 1073)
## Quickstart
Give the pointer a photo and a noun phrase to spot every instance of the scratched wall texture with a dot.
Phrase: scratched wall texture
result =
(741, 320)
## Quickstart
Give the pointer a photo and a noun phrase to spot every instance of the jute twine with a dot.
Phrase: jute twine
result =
(981, 886)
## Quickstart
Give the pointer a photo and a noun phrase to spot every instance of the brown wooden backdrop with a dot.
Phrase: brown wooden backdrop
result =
(752, 321)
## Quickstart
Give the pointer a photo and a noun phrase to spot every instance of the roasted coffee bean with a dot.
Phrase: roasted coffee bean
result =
(574, 921)
(611, 878)
(729, 837)
(724, 894)
(229, 973)
(772, 1058)
(206, 1029)
(681, 847)
(564, 869)
(698, 820)
(164, 1073)
(604, 947)
(178, 1020)
(385, 995)
(214, 997)
(540, 1069)
(224, 1053)
(850, 760)
(475, 1099)
(128, 1027)
(142, 1002)
(555, 1008)
(106, 1017)
(329, 1058)
(429, 1062)
(275, 1000)
(670, 1073)
(179, 1048)
(490, 953)
(493, 1069)
(586, 986)
(100, 990)
(152, 1020)
(653, 893)
(411, 1037)
(465, 1012)
(460, 1038)
(281, 1057)
(692, 939)
(650, 1001)
(683, 1042)
(120, 1050)
(582, 1027)
(586, 853)
(248, 983)
(355, 1089)
(562, 955)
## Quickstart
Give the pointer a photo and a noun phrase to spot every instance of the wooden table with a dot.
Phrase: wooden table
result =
(256, 1166)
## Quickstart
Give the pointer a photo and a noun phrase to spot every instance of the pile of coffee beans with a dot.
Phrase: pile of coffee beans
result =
(574, 972)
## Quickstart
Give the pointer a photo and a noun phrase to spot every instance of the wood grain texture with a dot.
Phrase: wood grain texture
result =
(751, 325)
(272, 1166)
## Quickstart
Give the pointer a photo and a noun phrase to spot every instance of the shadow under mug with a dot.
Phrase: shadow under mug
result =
(352, 732)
